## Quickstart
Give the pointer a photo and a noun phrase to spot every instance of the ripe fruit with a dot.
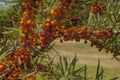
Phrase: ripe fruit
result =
(1, 67)
(52, 12)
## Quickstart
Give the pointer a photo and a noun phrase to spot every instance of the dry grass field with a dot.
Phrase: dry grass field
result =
(89, 56)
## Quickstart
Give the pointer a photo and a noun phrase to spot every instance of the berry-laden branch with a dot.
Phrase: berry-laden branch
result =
(55, 28)
(52, 30)
(62, 23)
(13, 67)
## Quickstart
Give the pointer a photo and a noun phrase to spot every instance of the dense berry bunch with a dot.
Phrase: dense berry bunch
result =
(62, 24)
(58, 12)
(53, 29)
(28, 23)
(98, 8)
(69, 4)
(73, 32)
(18, 59)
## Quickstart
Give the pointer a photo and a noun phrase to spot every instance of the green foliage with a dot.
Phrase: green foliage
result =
(9, 24)
(4, 53)
(99, 73)
(68, 70)
(63, 70)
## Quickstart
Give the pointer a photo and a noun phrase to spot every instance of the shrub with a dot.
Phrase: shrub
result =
(44, 21)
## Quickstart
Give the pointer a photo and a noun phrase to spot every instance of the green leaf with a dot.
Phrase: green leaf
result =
(113, 18)
(25, 66)
(73, 63)
(7, 32)
(19, 60)
(61, 66)
(39, 76)
(71, 77)
(78, 70)
(98, 69)
(12, 29)
(91, 18)
(115, 78)
(63, 78)
(117, 58)
(65, 62)
(1, 48)
(85, 74)
(30, 74)
(99, 73)
(4, 54)
(12, 33)
(113, 2)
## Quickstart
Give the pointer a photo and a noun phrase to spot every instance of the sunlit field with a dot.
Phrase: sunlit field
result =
(89, 56)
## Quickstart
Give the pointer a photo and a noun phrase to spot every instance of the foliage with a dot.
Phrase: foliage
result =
(43, 21)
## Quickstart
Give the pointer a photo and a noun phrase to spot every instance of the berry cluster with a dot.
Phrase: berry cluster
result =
(8, 69)
(13, 66)
(58, 12)
(18, 59)
(98, 8)
(51, 30)
(69, 4)
(103, 34)
(28, 23)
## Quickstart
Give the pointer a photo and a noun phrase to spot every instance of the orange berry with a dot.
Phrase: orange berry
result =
(71, 6)
(21, 49)
(52, 12)
(57, 33)
(63, 27)
(21, 22)
(16, 57)
(15, 61)
(48, 20)
(22, 56)
(99, 49)
(29, 21)
(97, 33)
(47, 24)
(1, 67)
(85, 41)
(25, 13)
(61, 41)
(53, 22)
(10, 78)
(33, 77)
(20, 75)
(24, 4)
(19, 68)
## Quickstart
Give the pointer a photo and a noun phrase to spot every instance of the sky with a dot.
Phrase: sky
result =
(2, 2)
